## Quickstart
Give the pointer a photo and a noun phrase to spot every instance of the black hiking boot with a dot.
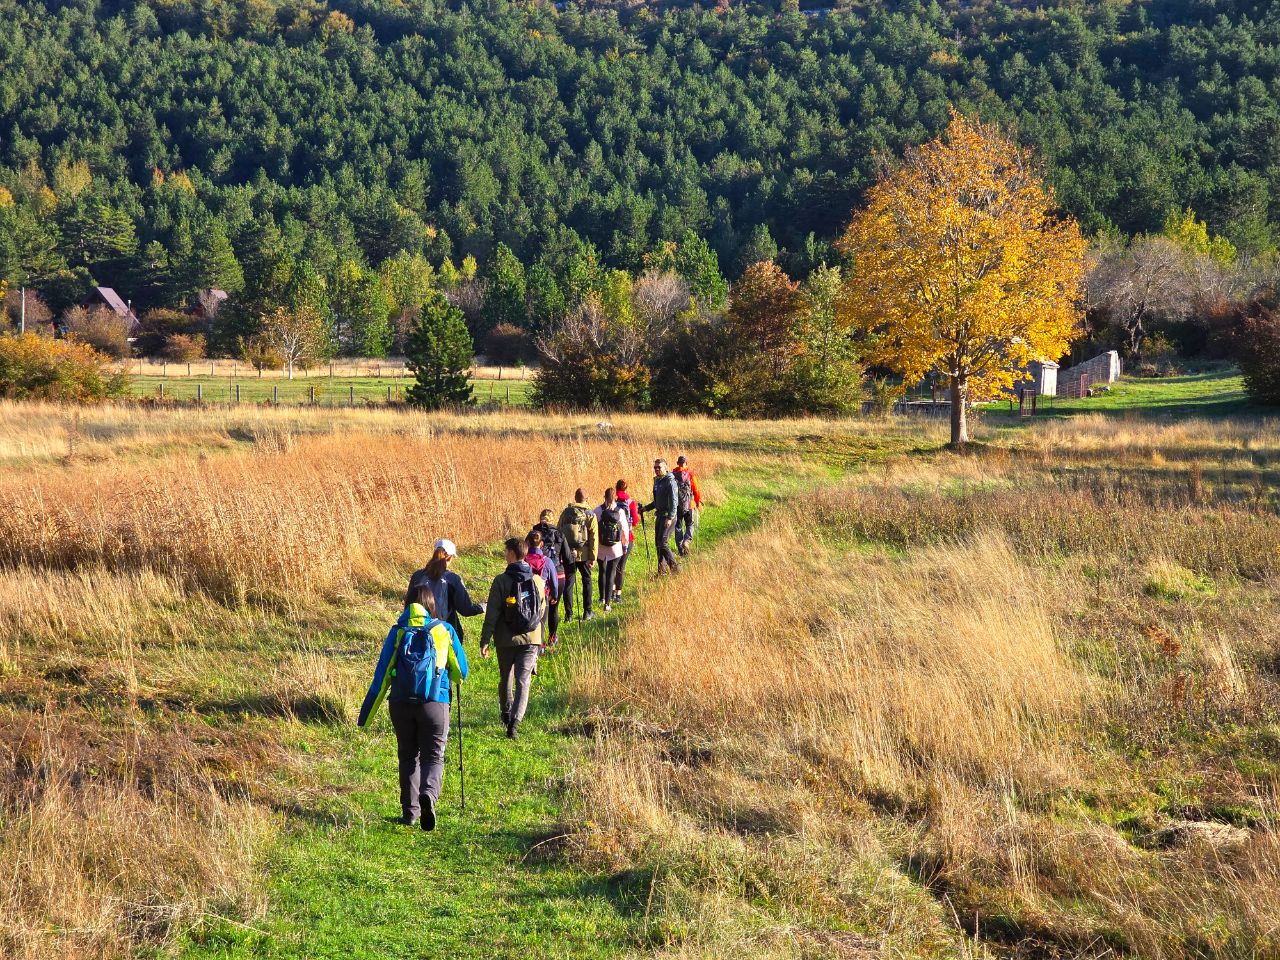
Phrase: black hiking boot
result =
(408, 819)
(512, 729)
(428, 813)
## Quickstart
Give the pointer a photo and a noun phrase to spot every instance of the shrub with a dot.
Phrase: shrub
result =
(260, 355)
(184, 347)
(592, 361)
(1257, 346)
(157, 326)
(33, 367)
(506, 345)
(100, 328)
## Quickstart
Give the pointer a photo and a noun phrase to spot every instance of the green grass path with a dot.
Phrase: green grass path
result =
(344, 880)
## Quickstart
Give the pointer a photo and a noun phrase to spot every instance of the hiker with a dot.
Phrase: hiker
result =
(513, 623)
(582, 535)
(614, 524)
(688, 499)
(544, 565)
(421, 659)
(665, 501)
(452, 599)
(633, 515)
(556, 548)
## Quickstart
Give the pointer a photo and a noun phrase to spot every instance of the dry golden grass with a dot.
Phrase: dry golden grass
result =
(963, 704)
(163, 574)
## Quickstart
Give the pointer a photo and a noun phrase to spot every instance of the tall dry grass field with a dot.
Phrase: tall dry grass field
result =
(1022, 703)
(163, 575)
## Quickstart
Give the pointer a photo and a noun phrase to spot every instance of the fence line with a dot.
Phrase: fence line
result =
(391, 368)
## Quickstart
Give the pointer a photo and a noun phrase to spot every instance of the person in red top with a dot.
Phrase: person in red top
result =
(633, 511)
(689, 499)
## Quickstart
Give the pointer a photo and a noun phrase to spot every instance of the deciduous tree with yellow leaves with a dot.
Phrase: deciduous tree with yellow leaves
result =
(962, 268)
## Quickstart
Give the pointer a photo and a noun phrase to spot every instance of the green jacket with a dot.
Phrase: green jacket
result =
(589, 552)
(495, 628)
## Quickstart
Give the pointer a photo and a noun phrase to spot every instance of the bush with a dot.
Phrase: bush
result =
(184, 347)
(591, 361)
(156, 327)
(33, 367)
(1257, 345)
(99, 327)
(507, 345)
(260, 355)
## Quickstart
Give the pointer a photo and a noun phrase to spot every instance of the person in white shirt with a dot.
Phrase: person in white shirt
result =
(613, 520)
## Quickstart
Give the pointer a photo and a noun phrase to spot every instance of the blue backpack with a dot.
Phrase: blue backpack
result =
(416, 675)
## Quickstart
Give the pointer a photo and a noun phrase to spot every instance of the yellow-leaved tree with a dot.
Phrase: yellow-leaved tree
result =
(961, 267)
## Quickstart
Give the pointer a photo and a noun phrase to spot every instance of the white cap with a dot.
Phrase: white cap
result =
(447, 546)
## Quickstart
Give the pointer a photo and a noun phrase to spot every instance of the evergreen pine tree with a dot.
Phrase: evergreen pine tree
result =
(438, 352)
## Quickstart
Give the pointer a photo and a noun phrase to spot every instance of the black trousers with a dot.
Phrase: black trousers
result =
(581, 570)
(608, 578)
(553, 618)
(620, 572)
(422, 730)
(662, 534)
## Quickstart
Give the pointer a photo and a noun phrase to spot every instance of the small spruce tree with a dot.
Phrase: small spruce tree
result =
(438, 352)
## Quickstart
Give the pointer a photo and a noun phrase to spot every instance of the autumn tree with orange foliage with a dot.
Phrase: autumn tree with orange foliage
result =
(961, 267)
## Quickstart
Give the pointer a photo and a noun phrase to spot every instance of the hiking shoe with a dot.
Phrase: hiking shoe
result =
(591, 615)
(506, 720)
(607, 608)
(511, 730)
(428, 813)
(551, 643)
(409, 820)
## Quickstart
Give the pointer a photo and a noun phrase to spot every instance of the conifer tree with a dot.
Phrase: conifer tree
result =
(438, 352)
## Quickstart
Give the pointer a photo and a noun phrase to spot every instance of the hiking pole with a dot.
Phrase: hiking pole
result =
(645, 531)
(462, 770)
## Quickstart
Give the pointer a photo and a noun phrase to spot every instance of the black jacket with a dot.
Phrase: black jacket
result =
(555, 545)
(452, 599)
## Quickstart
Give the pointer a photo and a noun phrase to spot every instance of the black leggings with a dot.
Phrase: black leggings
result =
(608, 570)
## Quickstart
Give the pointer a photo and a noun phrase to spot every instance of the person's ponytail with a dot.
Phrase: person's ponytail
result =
(439, 563)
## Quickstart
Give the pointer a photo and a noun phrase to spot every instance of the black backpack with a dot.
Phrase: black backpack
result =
(522, 607)
(610, 526)
(684, 490)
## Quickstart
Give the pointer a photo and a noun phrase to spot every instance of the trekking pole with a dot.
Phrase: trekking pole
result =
(645, 531)
(462, 770)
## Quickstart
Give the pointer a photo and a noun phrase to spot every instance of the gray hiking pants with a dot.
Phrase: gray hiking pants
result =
(422, 730)
(515, 670)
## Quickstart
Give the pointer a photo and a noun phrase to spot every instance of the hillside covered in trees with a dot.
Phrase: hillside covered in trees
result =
(262, 147)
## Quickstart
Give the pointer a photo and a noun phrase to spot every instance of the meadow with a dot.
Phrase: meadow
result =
(1022, 702)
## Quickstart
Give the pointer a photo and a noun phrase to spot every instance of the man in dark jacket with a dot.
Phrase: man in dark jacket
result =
(517, 652)
(665, 503)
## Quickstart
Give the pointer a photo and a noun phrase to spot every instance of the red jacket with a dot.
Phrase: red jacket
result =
(693, 485)
(633, 510)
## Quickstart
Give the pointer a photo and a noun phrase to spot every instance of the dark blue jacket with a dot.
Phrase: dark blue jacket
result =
(452, 599)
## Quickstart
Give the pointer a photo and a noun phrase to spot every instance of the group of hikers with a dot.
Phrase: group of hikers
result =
(423, 662)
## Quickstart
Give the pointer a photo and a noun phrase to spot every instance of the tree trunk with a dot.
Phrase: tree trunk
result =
(290, 365)
(959, 412)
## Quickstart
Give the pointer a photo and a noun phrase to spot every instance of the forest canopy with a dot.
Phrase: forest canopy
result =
(164, 147)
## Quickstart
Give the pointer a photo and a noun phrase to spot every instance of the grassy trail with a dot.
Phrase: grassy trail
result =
(345, 880)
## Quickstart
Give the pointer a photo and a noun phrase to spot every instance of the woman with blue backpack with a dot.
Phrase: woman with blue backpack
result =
(422, 658)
